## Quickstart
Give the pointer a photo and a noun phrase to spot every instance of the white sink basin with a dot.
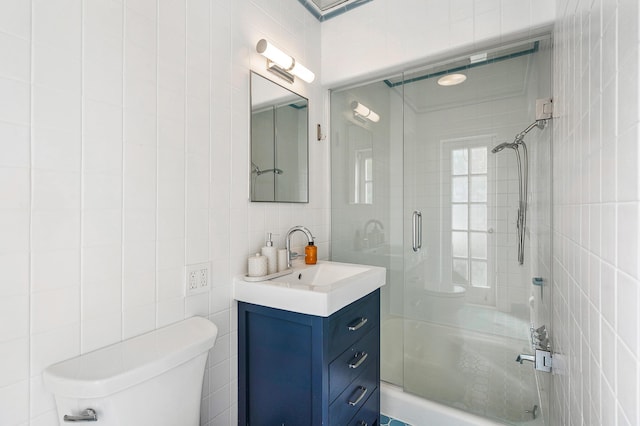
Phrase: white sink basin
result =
(320, 289)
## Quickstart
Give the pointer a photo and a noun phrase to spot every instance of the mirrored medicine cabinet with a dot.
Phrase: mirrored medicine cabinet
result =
(279, 151)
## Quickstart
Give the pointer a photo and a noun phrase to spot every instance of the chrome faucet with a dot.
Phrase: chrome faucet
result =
(310, 239)
(524, 357)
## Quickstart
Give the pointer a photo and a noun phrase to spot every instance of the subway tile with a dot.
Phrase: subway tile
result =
(146, 8)
(15, 273)
(14, 228)
(101, 227)
(627, 381)
(42, 403)
(139, 225)
(16, 64)
(57, 67)
(55, 190)
(102, 49)
(55, 229)
(628, 238)
(171, 253)
(196, 305)
(14, 404)
(55, 108)
(100, 300)
(198, 22)
(15, 18)
(104, 18)
(55, 269)
(101, 190)
(169, 311)
(627, 172)
(17, 111)
(628, 298)
(170, 283)
(138, 320)
(15, 188)
(53, 346)
(101, 331)
(58, 23)
(101, 263)
(139, 274)
(14, 145)
(57, 149)
(172, 15)
(54, 308)
(171, 223)
(15, 361)
(103, 82)
(219, 375)
(140, 28)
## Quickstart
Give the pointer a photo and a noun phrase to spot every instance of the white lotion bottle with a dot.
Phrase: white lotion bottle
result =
(271, 253)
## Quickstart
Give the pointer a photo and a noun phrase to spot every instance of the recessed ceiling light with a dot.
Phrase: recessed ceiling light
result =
(451, 79)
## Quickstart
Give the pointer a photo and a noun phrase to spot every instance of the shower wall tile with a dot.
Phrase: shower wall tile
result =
(596, 276)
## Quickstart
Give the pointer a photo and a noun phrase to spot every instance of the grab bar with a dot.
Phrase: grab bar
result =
(417, 230)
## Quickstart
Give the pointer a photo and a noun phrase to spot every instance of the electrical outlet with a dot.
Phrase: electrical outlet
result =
(197, 278)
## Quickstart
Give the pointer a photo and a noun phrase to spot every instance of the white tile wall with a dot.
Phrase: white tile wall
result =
(123, 157)
(596, 212)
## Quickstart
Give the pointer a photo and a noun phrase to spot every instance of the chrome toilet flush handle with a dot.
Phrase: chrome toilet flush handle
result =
(88, 415)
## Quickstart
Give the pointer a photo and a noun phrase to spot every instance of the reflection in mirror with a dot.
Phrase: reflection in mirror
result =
(360, 165)
(279, 143)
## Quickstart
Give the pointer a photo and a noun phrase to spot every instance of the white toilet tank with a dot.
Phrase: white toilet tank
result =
(152, 379)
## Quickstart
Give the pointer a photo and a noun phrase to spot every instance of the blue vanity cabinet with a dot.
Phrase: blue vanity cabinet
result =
(296, 369)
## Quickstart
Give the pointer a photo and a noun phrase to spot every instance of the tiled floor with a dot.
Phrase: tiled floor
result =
(388, 421)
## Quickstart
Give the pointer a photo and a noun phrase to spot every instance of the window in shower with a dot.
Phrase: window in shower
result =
(364, 176)
(468, 177)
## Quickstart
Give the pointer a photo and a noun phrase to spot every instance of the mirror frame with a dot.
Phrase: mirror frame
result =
(252, 75)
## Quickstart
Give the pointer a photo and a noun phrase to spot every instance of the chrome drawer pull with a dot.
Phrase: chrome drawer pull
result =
(360, 357)
(363, 392)
(88, 415)
(357, 324)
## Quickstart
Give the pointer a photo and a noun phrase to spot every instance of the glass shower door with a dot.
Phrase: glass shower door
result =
(420, 192)
(466, 313)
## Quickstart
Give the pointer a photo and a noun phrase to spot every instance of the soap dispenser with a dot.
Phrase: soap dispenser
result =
(311, 254)
(271, 253)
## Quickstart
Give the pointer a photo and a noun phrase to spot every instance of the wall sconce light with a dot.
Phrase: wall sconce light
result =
(283, 65)
(361, 111)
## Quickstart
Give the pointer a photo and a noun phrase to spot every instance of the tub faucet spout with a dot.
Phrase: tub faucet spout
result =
(524, 357)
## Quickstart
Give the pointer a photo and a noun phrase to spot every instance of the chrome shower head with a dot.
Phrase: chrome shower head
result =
(504, 145)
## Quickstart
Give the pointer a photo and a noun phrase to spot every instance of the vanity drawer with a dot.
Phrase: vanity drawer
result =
(369, 413)
(351, 363)
(352, 322)
(355, 396)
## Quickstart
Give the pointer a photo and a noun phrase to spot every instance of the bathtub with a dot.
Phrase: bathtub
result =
(396, 403)
(443, 389)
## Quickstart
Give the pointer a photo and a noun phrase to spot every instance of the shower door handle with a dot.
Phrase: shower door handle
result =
(417, 231)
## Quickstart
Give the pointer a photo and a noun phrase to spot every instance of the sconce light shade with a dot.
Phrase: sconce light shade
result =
(362, 111)
(282, 64)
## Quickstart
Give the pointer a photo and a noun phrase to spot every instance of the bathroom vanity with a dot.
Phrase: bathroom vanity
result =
(299, 369)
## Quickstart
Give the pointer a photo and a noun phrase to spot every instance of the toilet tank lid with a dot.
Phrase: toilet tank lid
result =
(113, 368)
